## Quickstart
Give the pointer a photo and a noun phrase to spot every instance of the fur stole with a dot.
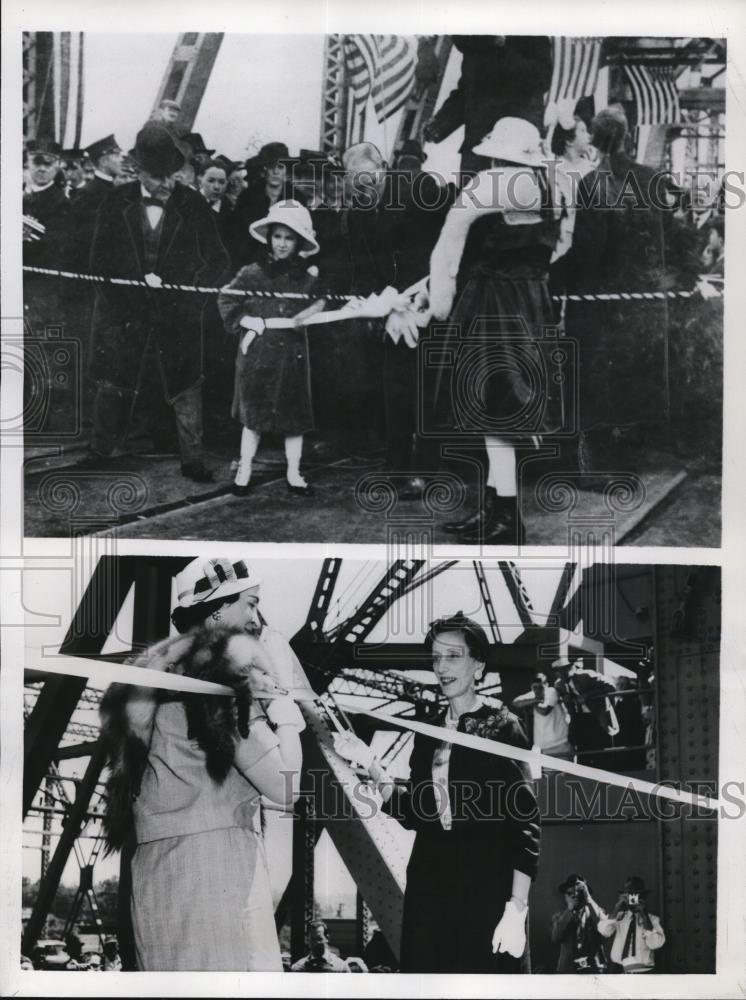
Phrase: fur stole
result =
(128, 716)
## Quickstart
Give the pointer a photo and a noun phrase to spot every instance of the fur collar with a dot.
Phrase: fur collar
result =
(128, 718)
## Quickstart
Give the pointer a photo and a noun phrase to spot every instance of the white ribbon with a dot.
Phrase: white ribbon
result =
(532, 757)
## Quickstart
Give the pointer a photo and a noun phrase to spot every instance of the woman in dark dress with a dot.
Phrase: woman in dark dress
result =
(477, 822)
(504, 381)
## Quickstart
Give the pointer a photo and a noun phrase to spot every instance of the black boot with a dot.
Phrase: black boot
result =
(503, 527)
(474, 521)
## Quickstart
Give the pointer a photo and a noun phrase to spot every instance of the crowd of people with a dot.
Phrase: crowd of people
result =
(289, 239)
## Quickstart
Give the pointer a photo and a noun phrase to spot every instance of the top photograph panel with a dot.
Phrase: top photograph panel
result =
(313, 288)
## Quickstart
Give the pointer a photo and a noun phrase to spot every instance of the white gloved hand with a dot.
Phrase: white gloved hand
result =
(707, 289)
(510, 933)
(153, 280)
(255, 323)
(247, 340)
(353, 749)
(403, 324)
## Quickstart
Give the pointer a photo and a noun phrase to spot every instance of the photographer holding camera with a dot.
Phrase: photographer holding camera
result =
(550, 718)
(576, 929)
(637, 933)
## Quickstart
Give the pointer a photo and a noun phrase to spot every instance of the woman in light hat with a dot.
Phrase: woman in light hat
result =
(272, 390)
(502, 380)
(187, 772)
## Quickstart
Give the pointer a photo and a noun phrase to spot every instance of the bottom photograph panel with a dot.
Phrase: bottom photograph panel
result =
(340, 765)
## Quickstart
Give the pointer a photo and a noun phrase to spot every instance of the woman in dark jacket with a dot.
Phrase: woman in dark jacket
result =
(477, 823)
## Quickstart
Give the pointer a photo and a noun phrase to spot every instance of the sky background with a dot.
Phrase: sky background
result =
(262, 89)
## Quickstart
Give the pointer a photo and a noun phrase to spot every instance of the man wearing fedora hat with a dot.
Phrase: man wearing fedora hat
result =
(153, 230)
(637, 933)
(105, 155)
(576, 929)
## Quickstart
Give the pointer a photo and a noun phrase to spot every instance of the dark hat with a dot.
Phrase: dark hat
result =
(570, 881)
(103, 146)
(272, 152)
(226, 163)
(312, 156)
(72, 154)
(43, 147)
(635, 884)
(157, 151)
(411, 147)
(196, 144)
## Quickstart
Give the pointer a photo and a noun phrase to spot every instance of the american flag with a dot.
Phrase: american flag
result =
(575, 72)
(381, 67)
(655, 94)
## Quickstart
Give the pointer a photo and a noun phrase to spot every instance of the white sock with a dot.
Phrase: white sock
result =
(249, 444)
(502, 466)
(293, 452)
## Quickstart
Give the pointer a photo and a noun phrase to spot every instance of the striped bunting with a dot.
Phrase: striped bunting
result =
(381, 67)
(575, 71)
(655, 94)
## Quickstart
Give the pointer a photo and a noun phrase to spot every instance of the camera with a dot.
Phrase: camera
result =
(633, 898)
(579, 892)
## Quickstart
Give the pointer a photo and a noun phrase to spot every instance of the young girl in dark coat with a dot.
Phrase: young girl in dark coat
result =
(272, 391)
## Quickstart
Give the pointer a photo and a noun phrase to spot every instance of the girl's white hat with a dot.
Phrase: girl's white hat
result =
(210, 579)
(295, 216)
(515, 140)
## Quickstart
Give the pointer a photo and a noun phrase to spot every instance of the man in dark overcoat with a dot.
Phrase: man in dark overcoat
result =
(157, 230)
(501, 75)
(106, 157)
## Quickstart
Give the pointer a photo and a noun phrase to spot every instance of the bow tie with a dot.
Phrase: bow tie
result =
(153, 202)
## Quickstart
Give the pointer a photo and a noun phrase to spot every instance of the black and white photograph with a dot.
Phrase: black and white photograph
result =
(371, 499)
(349, 766)
(470, 281)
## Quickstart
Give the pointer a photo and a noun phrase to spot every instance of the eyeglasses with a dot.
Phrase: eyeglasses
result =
(43, 161)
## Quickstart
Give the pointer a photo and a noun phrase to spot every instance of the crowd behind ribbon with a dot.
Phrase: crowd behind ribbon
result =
(174, 211)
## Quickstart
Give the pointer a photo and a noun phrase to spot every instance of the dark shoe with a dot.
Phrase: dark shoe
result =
(503, 527)
(240, 490)
(474, 521)
(300, 491)
(197, 472)
(411, 489)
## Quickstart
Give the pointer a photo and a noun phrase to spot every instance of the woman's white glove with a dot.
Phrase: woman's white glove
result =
(510, 933)
(403, 324)
(254, 326)
(353, 749)
(284, 712)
